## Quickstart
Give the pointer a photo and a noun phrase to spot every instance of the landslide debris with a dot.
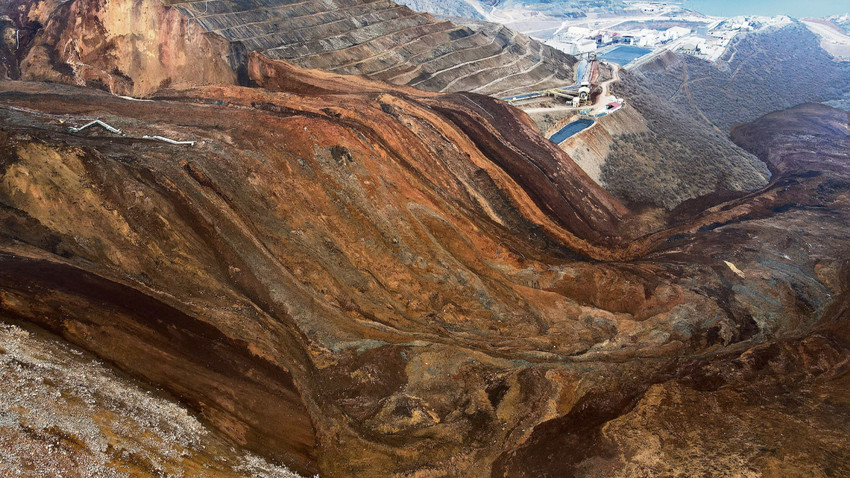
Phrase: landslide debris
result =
(363, 283)
(766, 401)
(357, 279)
(370, 222)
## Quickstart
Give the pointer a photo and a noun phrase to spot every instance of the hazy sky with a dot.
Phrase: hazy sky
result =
(794, 8)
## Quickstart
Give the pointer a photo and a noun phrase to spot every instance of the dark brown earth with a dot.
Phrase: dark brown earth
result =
(358, 279)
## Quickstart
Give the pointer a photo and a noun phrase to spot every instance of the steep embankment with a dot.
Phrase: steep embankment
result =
(136, 47)
(590, 148)
(128, 47)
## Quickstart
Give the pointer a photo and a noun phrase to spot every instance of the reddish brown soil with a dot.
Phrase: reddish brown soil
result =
(365, 280)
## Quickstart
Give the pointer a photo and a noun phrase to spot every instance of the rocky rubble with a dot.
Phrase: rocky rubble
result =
(65, 413)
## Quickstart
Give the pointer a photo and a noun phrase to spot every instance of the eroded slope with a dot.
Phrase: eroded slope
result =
(138, 46)
(364, 281)
(665, 156)
(65, 413)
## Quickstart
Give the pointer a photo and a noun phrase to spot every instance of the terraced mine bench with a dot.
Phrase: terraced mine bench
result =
(385, 41)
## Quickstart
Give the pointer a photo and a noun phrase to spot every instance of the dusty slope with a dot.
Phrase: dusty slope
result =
(368, 281)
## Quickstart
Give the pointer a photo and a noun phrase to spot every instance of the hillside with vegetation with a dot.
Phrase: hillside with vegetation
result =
(676, 158)
(691, 104)
(759, 74)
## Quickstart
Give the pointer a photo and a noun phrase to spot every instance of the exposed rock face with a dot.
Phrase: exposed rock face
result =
(755, 425)
(20, 20)
(8, 45)
(138, 46)
(127, 47)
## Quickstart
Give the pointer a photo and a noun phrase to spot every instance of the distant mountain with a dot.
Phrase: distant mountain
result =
(759, 74)
(842, 21)
(506, 11)
(560, 7)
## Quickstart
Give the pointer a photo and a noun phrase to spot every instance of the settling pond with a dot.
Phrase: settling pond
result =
(570, 129)
(623, 55)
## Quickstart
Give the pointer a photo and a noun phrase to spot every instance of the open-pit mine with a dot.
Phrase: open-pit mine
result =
(281, 238)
